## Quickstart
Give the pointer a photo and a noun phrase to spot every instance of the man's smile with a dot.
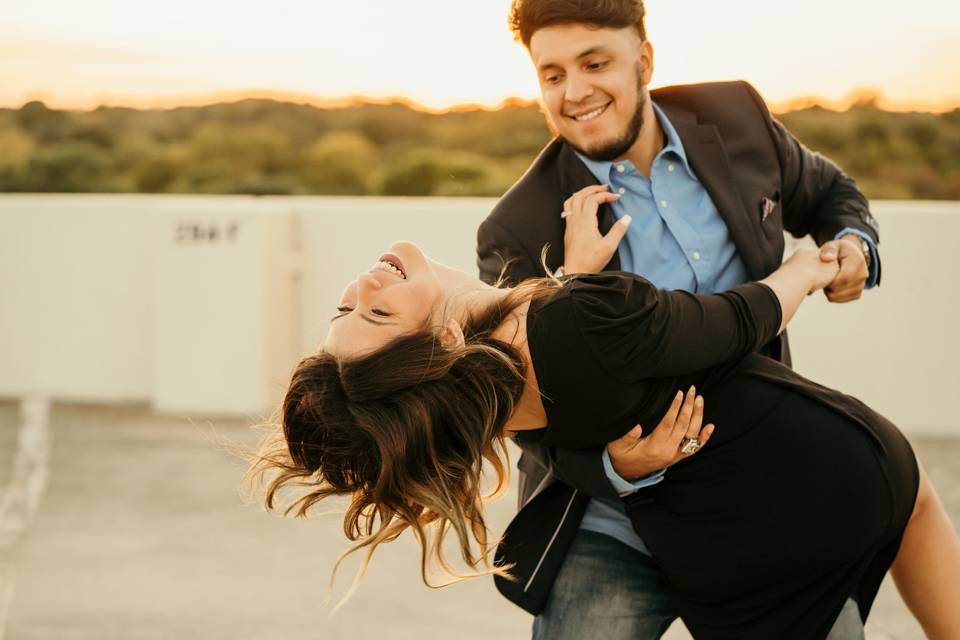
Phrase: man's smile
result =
(584, 116)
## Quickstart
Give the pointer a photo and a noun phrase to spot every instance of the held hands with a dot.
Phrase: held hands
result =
(819, 268)
(585, 249)
(850, 281)
(634, 456)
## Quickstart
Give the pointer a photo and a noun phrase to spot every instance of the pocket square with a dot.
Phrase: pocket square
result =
(767, 205)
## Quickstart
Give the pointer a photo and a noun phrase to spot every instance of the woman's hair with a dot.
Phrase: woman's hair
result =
(404, 432)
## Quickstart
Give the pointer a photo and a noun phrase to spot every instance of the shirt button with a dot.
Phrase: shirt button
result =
(669, 167)
(663, 203)
(621, 191)
(621, 168)
(696, 255)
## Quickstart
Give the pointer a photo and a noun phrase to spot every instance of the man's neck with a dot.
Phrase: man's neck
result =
(648, 143)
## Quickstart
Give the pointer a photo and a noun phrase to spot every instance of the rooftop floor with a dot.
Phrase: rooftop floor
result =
(141, 534)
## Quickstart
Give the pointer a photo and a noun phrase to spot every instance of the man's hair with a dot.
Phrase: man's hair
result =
(529, 16)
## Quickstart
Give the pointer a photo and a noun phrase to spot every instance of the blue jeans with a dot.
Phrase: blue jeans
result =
(607, 589)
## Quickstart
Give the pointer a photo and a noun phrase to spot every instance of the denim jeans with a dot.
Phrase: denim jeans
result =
(606, 589)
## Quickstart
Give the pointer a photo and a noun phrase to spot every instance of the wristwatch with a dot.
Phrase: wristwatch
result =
(865, 247)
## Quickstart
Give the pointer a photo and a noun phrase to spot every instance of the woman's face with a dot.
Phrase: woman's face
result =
(399, 294)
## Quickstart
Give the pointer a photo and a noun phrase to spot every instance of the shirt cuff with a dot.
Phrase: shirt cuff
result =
(874, 254)
(626, 487)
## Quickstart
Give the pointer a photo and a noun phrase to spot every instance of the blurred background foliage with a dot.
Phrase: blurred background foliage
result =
(269, 147)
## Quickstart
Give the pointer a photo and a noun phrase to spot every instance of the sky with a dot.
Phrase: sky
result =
(441, 53)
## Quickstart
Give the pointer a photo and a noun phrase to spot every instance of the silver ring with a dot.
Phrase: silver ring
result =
(564, 214)
(689, 446)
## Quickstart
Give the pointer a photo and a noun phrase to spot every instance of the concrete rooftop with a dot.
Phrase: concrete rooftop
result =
(140, 534)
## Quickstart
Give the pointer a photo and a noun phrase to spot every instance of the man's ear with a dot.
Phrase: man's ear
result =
(646, 59)
(451, 335)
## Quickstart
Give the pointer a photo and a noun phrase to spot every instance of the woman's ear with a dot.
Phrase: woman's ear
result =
(451, 335)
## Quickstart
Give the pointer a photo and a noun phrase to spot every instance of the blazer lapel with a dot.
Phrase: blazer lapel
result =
(574, 176)
(708, 158)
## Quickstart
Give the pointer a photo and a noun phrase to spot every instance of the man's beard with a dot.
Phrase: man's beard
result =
(613, 149)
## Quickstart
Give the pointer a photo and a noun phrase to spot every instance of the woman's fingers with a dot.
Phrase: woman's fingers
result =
(575, 199)
(588, 201)
(696, 420)
(664, 430)
(706, 433)
(684, 417)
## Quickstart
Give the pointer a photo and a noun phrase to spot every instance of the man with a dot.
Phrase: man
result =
(702, 183)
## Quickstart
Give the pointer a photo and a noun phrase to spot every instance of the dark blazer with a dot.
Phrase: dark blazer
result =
(743, 157)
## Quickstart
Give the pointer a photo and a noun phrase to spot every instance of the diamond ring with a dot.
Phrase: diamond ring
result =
(689, 446)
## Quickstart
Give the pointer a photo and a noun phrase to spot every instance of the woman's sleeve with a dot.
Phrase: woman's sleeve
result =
(638, 331)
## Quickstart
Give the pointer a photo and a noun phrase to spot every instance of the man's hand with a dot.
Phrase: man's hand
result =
(585, 249)
(633, 456)
(849, 283)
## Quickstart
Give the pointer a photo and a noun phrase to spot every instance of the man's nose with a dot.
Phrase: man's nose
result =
(578, 88)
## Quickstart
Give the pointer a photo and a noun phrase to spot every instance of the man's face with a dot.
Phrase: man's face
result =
(593, 85)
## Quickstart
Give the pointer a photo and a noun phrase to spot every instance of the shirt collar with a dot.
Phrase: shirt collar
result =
(601, 170)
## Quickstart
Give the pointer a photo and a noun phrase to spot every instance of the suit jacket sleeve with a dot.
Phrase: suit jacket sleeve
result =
(818, 198)
(501, 254)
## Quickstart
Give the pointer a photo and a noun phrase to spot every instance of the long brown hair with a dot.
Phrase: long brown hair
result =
(404, 432)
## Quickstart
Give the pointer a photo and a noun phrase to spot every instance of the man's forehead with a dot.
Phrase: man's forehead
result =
(554, 45)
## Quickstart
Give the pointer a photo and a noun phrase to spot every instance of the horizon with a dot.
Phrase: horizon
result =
(854, 98)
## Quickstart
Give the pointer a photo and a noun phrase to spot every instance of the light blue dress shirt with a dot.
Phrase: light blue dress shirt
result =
(677, 240)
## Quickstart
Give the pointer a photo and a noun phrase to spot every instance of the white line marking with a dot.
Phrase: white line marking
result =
(20, 498)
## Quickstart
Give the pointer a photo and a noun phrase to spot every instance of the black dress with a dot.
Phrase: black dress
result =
(801, 497)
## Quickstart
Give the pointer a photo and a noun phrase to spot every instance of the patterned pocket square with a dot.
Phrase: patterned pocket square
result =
(767, 205)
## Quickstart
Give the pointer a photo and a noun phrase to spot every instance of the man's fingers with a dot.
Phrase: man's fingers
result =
(847, 295)
(830, 250)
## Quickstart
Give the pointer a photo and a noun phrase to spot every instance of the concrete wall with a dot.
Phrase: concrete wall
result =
(200, 305)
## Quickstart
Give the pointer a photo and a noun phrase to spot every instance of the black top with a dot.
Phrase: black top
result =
(745, 532)
(610, 350)
(639, 344)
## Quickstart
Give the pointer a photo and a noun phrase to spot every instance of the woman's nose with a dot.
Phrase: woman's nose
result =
(367, 284)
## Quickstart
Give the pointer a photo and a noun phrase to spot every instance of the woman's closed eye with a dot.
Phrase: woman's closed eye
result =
(342, 311)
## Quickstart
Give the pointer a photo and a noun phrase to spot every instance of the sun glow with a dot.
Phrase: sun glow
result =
(441, 53)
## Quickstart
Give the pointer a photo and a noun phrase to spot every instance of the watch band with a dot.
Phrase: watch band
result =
(865, 247)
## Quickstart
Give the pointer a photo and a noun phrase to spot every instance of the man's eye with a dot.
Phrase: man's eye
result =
(379, 312)
(596, 66)
(344, 309)
(552, 79)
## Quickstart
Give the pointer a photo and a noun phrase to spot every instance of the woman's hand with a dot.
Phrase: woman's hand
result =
(634, 456)
(585, 250)
(821, 270)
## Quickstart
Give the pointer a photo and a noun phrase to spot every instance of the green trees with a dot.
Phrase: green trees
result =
(892, 155)
(340, 162)
(268, 147)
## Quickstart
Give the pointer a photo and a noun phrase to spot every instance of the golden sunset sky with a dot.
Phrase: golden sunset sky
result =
(440, 53)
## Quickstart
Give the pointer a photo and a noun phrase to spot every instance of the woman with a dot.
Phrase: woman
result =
(802, 499)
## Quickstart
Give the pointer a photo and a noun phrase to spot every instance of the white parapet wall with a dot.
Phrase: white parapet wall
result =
(202, 305)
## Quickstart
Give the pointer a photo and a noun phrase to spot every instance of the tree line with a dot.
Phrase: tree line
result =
(269, 147)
